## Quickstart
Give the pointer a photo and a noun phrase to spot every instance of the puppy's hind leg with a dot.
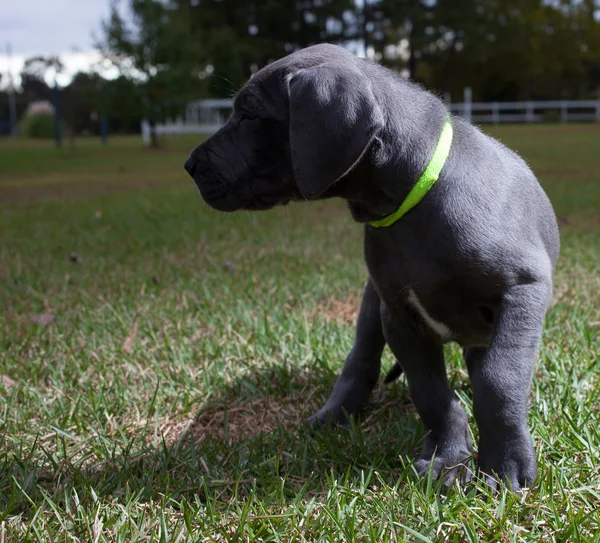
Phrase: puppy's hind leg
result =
(361, 371)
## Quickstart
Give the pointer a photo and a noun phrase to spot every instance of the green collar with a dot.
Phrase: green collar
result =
(427, 179)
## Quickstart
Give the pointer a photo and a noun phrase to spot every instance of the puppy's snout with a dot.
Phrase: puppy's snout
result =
(190, 165)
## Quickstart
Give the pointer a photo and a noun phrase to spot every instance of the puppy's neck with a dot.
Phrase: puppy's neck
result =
(397, 156)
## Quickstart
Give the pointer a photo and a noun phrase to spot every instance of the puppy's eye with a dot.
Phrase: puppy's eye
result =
(248, 117)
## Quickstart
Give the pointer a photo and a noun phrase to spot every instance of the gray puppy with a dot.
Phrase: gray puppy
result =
(471, 263)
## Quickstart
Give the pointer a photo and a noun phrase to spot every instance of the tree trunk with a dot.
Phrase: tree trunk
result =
(412, 58)
(72, 137)
(366, 17)
(154, 143)
(415, 17)
(446, 82)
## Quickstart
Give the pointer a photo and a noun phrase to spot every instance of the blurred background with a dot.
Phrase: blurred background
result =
(107, 66)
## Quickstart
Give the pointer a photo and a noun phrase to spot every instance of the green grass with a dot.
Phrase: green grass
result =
(153, 384)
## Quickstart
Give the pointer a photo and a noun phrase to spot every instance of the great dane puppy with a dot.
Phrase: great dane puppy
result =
(471, 263)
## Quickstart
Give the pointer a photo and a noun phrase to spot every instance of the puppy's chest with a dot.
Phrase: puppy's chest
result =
(439, 327)
(395, 272)
(396, 286)
(454, 307)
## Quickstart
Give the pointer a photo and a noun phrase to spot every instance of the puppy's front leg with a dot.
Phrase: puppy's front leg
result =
(361, 370)
(501, 378)
(421, 354)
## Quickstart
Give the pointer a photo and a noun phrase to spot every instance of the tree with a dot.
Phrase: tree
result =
(33, 76)
(123, 104)
(155, 50)
(178, 50)
(523, 49)
(183, 49)
(82, 102)
(502, 49)
(237, 37)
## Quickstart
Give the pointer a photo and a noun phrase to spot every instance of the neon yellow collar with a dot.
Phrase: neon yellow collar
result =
(427, 179)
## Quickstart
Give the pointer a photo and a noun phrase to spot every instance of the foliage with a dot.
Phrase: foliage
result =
(507, 50)
(157, 50)
(33, 74)
(172, 51)
(38, 126)
(239, 37)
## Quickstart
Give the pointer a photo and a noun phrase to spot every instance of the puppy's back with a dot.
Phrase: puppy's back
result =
(490, 194)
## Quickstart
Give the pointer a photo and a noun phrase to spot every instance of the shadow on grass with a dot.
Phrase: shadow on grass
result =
(250, 440)
(253, 437)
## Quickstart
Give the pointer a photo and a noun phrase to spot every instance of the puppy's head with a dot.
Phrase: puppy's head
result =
(297, 127)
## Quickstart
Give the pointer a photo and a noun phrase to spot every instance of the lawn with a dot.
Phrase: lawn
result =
(157, 360)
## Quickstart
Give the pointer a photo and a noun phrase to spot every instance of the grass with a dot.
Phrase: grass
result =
(157, 360)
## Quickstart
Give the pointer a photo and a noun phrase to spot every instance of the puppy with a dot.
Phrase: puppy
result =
(460, 240)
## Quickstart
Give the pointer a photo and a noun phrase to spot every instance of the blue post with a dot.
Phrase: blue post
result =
(104, 131)
(103, 120)
(57, 127)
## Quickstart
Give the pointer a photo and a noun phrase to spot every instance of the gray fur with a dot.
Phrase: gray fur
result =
(477, 254)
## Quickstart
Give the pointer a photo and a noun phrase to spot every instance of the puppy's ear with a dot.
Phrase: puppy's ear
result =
(333, 119)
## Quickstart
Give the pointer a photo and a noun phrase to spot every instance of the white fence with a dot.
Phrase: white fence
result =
(564, 111)
(205, 117)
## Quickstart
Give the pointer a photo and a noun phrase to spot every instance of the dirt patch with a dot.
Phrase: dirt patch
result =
(239, 420)
(243, 419)
(345, 311)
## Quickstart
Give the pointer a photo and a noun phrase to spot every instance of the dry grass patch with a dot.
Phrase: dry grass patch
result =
(344, 311)
(234, 422)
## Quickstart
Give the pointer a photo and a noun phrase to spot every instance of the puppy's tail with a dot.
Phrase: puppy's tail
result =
(394, 373)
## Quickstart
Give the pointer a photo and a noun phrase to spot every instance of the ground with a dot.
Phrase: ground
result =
(157, 360)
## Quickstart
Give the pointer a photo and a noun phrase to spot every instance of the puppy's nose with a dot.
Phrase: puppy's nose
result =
(190, 165)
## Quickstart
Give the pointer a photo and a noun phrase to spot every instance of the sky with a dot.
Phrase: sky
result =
(50, 27)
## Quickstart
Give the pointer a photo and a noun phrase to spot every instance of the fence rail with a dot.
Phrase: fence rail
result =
(564, 111)
(204, 117)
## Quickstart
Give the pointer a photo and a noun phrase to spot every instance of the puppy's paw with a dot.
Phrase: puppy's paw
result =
(328, 418)
(510, 462)
(449, 467)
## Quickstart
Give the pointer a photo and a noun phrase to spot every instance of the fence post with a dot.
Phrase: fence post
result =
(564, 112)
(468, 96)
(145, 130)
(529, 113)
(495, 113)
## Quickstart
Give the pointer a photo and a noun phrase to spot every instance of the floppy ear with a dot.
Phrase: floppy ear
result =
(333, 119)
